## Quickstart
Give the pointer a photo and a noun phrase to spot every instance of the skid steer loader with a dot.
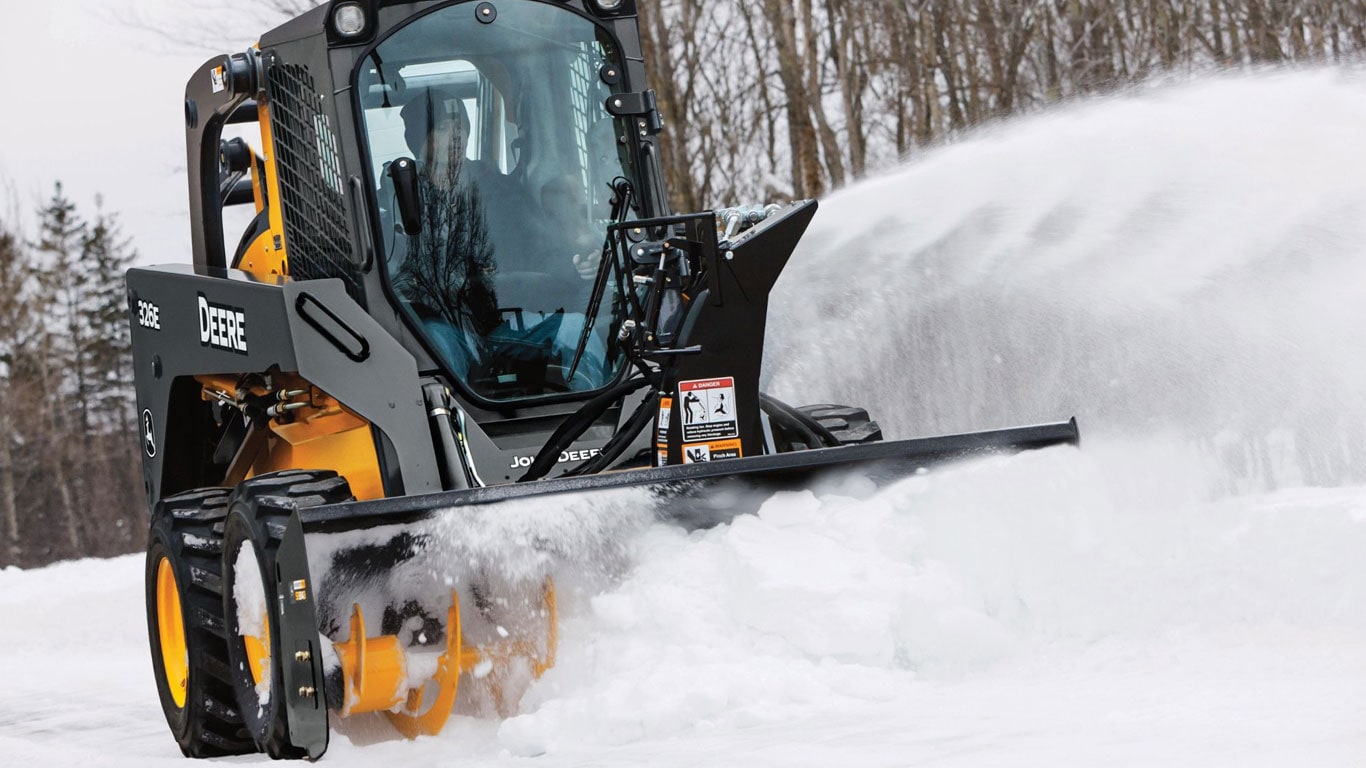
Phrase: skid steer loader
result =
(463, 292)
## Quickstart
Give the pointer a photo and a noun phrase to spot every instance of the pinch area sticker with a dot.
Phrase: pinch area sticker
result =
(705, 452)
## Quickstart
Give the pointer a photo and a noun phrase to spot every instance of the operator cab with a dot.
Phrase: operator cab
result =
(491, 241)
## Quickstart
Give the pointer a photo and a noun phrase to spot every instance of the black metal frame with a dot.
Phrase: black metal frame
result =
(881, 462)
(220, 93)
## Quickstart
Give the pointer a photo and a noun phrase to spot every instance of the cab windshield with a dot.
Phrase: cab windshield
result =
(516, 161)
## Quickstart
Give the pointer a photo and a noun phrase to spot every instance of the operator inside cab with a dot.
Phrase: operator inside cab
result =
(516, 158)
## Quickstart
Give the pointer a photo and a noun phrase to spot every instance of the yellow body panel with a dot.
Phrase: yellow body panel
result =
(334, 439)
(322, 435)
(260, 259)
(263, 259)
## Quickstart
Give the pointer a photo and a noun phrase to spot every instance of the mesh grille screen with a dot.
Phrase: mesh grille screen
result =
(309, 167)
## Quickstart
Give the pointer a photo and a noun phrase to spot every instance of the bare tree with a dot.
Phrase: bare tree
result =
(16, 330)
(820, 92)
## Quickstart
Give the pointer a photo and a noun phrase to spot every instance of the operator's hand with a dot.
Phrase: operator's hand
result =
(587, 265)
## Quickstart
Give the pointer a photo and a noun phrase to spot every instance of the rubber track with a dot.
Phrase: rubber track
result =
(851, 425)
(271, 500)
(196, 526)
(847, 424)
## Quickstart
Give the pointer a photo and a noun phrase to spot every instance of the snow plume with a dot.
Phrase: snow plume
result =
(1181, 269)
(1183, 261)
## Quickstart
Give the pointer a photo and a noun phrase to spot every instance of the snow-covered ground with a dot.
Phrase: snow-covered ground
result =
(1030, 610)
(1182, 269)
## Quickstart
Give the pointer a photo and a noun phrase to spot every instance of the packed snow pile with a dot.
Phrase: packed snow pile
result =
(834, 599)
(1042, 609)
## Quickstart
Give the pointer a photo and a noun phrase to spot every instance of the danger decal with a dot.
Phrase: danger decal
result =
(708, 410)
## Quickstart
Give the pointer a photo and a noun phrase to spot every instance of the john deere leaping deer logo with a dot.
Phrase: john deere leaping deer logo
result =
(149, 435)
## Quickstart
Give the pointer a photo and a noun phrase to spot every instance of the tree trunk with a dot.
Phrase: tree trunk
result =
(829, 143)
(57, 442)
(806, 175)
(654, 38)
(9, 505)
(1216, 37)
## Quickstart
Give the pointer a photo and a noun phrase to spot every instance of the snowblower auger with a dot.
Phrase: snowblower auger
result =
(462, 297)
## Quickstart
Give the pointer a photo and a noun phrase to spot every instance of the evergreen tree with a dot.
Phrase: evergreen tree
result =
(109, 394)
(62, 366)
(17, 326)
(105, 256)
(69, 458)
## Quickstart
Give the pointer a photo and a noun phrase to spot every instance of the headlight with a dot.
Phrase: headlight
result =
(349, 19)
(608, 5)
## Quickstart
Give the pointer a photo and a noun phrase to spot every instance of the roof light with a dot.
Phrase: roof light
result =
(349, 19)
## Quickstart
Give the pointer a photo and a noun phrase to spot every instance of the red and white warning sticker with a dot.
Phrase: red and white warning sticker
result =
(708, 410)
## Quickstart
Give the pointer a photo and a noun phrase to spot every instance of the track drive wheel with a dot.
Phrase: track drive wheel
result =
(185, 624)
(849, 425)
(819, 426)
(259, 510)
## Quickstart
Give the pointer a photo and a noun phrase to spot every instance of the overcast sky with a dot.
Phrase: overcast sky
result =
(90, 99)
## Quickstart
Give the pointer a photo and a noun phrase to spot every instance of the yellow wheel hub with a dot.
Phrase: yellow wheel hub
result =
(175, 658)
(258, 652)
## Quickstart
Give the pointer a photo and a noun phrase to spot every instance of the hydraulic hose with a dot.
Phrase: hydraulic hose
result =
(622, 440)
(574, 427)
(450, 466)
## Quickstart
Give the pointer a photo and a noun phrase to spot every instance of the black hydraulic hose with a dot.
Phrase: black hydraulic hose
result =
(450, 466)
(643, 416)
(574, 427)
(811, 431)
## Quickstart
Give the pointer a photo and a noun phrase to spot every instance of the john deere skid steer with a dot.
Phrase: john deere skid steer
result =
(462, 293)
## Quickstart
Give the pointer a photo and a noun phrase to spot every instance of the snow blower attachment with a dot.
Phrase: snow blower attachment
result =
(462, 305)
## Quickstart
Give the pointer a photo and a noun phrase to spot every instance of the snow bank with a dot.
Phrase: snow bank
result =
(836, 598)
